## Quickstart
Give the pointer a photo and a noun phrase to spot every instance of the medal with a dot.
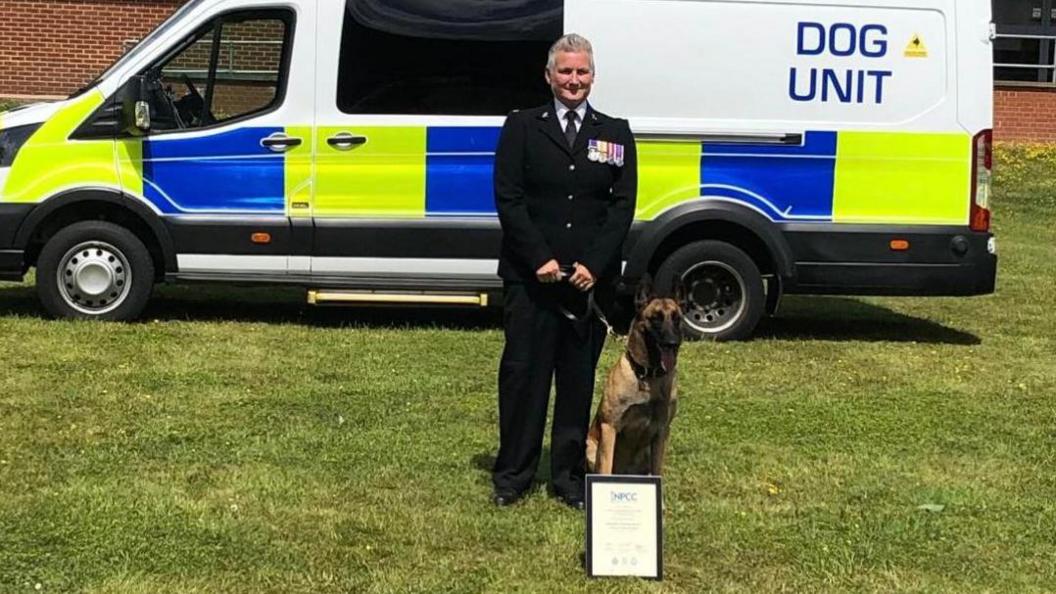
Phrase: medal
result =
(603, 151)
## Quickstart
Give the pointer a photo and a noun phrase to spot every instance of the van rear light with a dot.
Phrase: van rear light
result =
(982, 169)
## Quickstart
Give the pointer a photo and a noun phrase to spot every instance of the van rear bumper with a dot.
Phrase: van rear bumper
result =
(940, 261)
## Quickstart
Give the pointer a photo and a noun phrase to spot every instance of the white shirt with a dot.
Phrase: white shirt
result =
(561, 109)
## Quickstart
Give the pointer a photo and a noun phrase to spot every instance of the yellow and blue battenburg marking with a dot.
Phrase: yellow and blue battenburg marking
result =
(841, 177)
(228, 172)
(786, 183)
(420, 172)
(459, 169)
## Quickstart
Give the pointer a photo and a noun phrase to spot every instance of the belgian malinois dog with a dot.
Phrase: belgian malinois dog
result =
(630, 430)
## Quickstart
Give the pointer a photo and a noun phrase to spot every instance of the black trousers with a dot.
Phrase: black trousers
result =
(543, 345)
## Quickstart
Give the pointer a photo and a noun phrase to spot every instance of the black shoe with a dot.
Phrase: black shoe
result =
(574, 501)
(505, 499)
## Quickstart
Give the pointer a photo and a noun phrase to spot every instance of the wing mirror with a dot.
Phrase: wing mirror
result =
(135, 107)
(142, 116)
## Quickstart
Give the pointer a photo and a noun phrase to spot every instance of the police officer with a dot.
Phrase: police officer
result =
(565, 189)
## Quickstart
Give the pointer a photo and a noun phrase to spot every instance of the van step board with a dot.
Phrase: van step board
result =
(337, 297)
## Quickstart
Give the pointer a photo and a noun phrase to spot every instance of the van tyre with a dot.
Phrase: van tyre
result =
(724, 290)
(95, 270)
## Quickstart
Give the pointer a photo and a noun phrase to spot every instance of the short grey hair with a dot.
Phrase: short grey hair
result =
(573, 43)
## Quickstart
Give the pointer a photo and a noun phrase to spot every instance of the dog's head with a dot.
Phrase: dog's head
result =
(658, 322)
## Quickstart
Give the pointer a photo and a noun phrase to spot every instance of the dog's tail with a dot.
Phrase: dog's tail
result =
(593, 438)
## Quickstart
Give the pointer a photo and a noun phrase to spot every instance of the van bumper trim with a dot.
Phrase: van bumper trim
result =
(12, 265)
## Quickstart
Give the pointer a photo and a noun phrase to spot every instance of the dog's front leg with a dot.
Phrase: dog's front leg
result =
(606, 449)
(657, 451)
(658, 447)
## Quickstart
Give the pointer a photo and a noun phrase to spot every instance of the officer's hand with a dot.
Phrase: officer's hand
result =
(582, 278)
(549, 272)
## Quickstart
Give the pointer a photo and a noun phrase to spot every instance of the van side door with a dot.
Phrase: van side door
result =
(409, 108)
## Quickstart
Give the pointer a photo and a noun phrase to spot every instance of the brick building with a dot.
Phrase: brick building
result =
(38, 57)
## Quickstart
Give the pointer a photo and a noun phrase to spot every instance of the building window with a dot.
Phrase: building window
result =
(1026, 38)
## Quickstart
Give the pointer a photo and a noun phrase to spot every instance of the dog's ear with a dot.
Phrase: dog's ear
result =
(644, 294)
(678, 292)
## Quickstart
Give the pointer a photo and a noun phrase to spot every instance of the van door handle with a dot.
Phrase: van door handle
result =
(791, 138)
(344, 141)
(279, 142)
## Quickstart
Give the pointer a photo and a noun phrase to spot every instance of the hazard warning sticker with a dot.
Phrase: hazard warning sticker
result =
(916, 48)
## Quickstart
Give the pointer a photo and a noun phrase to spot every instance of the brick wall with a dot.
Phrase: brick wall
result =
(1025, 114)
(51, 47)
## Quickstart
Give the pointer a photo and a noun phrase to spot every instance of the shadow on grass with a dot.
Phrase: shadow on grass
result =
(484, 462)
(842, 318)
(801, 318)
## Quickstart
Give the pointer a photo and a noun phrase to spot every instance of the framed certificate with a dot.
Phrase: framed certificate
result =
(625, 526)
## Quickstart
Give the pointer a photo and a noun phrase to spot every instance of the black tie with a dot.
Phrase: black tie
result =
(570, 129)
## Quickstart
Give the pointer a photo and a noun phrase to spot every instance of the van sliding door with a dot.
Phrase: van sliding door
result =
(409, 112)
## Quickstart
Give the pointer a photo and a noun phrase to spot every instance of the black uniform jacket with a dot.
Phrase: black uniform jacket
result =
(555, 203)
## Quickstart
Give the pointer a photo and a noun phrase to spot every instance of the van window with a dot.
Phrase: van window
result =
(232, 68)
(456, 58)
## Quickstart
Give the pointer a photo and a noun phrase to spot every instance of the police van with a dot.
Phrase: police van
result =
(785, 147)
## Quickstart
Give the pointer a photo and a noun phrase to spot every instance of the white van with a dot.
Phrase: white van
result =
(785, 146)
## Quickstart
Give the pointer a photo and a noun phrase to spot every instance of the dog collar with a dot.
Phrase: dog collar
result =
(642, 372)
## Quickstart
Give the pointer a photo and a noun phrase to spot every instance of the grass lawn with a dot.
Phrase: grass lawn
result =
(240, 441)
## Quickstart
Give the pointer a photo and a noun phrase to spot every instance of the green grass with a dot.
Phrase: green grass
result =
(240, 441)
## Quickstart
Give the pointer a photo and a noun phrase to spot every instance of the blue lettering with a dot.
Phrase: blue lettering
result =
(830, 81)
(818, 45)
(850, 44)
(880, 75)
(793, 87)
(876, 45)
(624, 497)
(836, 86)
(841, 40)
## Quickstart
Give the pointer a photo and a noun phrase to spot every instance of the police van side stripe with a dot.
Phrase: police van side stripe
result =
(459, 170)
(226, 172)
(49, 162)
(668, 174)
(384, 177)
(903, 178)
(771, 178)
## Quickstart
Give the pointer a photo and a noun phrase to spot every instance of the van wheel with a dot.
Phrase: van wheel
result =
(724, 290)
(95, 270)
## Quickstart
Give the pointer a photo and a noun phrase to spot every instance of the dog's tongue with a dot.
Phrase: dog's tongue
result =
(667, 359)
